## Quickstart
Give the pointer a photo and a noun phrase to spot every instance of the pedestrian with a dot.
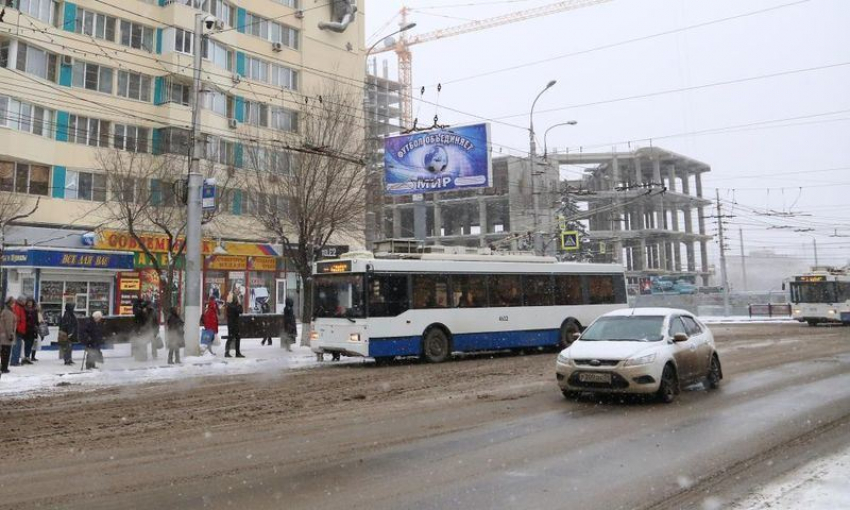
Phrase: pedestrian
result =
(8, 327)
(30, 329)
(234, 336)
(209, 320)
(93, 340)
(153, 328)
(67, 333)
(266, 308)
(20, 330)
(290, 329)
(174, 335)
(42, 329)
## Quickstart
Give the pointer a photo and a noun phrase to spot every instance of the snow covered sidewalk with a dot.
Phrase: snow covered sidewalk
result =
(819, 485)
(50, 374)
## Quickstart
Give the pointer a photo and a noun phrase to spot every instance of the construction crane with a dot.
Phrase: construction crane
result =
(405, 57)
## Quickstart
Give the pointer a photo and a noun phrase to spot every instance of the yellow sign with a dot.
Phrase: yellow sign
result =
(569, 240)
(263, 264)
(131, 284)
(228, 263)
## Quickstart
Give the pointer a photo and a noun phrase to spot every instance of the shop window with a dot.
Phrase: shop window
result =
(430, 291)
(568, 290)
(469, 291)
(88, 297)
(505, 290)
(387, 295)
(601, 289)
(537, 290)
(24, 178)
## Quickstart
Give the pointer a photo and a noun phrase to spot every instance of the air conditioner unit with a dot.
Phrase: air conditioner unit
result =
(236, 78)
(67, 60)
(219, 24)
(299, 14)
(232, 123)
(276, 46)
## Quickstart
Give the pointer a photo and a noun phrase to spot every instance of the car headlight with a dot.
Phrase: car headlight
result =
(563, 359)
(314, 335)
(642, 360)
(832, 312)
(798, 311)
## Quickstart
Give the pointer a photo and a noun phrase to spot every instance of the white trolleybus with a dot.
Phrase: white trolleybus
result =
(821, 296)
(430, 305)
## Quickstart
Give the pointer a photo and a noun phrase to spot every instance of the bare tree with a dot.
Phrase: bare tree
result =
(310, 188)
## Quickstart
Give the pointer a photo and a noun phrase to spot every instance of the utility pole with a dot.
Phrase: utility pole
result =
(815, 245)
(192, 297)
(723, 275)
(743, 259)
(532, 156)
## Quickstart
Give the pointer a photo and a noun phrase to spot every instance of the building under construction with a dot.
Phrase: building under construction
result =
(645, 209)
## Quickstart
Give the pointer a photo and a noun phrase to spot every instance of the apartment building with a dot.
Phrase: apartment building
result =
(81, 78)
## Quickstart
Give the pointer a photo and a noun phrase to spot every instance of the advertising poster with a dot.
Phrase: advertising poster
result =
(450, 159)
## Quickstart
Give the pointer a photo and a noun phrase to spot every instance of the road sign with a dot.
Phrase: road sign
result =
(208, 196)
(569, 240)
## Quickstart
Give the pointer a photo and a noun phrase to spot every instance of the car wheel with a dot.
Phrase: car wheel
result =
(812, 323)
(435, 346)
(568, 329)
(571, 395)
(714, 374)
(669, 386)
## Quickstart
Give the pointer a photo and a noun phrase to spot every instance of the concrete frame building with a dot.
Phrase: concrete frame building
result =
(652, 235)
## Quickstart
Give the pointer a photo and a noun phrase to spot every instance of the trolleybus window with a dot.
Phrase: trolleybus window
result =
(505, 290)
(602, 290)
(430, 291)
(538, 289)
(568, 290)
(813, 292)
(387, 295)
(470, 291)
(339, 296)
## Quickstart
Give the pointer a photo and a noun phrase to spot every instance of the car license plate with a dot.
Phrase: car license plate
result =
(595, 378)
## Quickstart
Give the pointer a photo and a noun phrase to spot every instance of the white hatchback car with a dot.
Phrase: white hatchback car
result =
(640, 350)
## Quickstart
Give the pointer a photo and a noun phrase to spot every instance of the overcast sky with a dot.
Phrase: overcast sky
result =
(623, 53)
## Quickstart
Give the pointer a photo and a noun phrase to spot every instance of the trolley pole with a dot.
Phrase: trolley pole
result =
(723, 274)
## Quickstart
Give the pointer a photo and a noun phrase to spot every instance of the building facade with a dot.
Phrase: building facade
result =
(81, 80)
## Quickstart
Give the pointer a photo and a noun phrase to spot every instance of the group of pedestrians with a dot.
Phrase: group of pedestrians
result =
(22, 328)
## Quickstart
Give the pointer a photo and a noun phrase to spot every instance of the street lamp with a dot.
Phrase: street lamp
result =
(538, 240)
(546, 133)
(373, 137)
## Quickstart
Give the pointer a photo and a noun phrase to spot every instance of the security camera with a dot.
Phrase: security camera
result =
(209, 21)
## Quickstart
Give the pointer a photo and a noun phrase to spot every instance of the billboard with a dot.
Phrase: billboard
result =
(450, 159)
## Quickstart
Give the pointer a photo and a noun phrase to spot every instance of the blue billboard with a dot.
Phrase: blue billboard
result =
(436, 161)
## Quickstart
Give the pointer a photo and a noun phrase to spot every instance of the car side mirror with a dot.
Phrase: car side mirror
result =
(576, 336)
(680, 337)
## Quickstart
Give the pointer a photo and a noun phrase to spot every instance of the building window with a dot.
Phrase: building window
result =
(137, 36)
(257, 69)
(44, 10)
(125, 189)
(134, 86)
(288, 3)
(4, 54)
(162, 193)
(284, 77)
(87, 131)
(182, 41)
(131, 138)
(271, 31)
(95, 25)
(24, 178)
(175, 141)
(220, 150)
(25, 117)
(218, 54)
(36, 61)
(85, 186)
(284, 119)
(92, 77)
(256, 114)
(220, 9)
(285, 35)
(216, 102)
(178, 93)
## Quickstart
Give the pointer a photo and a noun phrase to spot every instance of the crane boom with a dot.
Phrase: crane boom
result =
(405, 57)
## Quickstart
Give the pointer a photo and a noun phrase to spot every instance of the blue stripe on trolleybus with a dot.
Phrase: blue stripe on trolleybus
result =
(411, 345)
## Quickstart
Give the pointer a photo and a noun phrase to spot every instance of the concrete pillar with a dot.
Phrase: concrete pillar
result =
(671, 178)
(638, 172)
(662, 255)
(438, 218)
(640, 263)
(698, 183)
(482, 222)
(397, 223)
(615, 172)
(703, 248)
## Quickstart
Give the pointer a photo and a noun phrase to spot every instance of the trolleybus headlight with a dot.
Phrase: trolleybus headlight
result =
(354, 337)
(832, 312)
(314, 335)
(797, 311)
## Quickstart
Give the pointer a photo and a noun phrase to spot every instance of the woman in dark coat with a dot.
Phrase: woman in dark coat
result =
(175, 336)
(67, 332)
(234, 338)
(290, 329)
(93, 340)
(31, 313)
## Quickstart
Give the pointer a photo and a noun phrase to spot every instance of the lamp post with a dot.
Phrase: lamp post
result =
(538, 239)
(546, 133)
(370, 232)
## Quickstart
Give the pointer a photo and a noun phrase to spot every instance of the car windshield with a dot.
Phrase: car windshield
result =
(636, 328)
(339, 296)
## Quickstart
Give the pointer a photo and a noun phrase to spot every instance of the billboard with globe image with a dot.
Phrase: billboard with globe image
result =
(448, 159)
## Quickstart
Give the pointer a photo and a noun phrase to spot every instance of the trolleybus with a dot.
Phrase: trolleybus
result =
(431, 305)
(821, 296)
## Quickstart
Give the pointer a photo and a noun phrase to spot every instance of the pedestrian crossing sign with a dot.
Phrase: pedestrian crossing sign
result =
(569, 240)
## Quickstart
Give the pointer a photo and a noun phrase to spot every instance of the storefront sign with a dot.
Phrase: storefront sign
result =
(262, 264)
(156, 243)
(142, 260)
(227, 263)
(129, 285)
(70, 259)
